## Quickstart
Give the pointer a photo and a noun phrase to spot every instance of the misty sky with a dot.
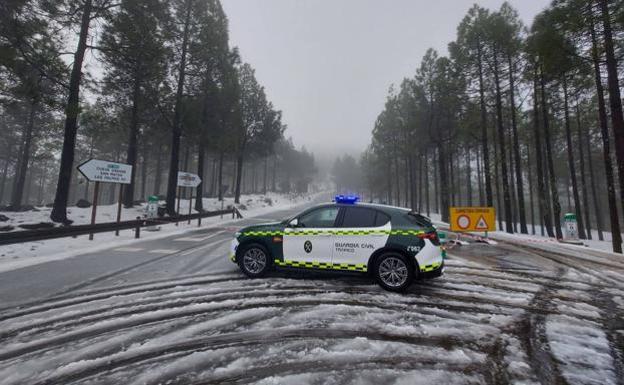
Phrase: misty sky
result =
(327, 64)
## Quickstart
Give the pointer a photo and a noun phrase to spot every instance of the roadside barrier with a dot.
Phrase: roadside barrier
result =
(136, 224)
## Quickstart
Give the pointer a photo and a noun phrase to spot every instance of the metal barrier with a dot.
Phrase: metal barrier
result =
(136, 224)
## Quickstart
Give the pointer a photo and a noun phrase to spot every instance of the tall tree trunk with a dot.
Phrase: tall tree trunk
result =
(497, 181)
(531, 204)
(23, 158)
(91, 148)
(512, 187)
(398, 180)
(59, 211)
(199, 193)
(239, 175)
(133, 138)
(158, 176)
(615, 98)
(426, 183)
(468, 178)
(451, 169)
(480, 179)
(274, 175)
(484, 134)
(389, 179)
(436, 195)
(213, 177)
(176, 132)
(264, 175)
(516, 145)
(541, 188)
(5, 171)
(144, 164)
(444, 183)
(501, 145)
(42, 179)
(592, 183)
(571, 165)
(220, 180)
(420, 183)
(579, 142)
(616, 236)
(556, 206)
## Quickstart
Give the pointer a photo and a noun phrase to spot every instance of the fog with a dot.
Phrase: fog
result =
(328, 64)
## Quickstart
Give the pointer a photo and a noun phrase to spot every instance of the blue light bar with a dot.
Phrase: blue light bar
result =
(347, 199)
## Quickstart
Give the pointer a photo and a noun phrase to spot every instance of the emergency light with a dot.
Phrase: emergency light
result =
(348, 199)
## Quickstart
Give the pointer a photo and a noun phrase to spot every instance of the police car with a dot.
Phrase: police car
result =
(394, 245)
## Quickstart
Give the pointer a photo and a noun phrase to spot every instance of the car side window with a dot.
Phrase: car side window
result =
(359, 217)
(323, 217)
(381, 219)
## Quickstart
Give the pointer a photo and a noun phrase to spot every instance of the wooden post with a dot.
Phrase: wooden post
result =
(190, 206)
(96, 190)
(137, 229)
(178, 209)
(119, 207)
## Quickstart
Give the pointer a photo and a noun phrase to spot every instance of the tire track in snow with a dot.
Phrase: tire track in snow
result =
(493, 302)
(240, 340)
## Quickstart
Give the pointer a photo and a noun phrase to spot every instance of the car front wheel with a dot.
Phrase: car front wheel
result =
(254, 261)
(393, 272)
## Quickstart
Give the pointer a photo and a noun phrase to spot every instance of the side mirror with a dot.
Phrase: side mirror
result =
(293, 223)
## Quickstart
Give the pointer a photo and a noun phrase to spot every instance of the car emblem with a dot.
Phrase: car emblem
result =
(307, 246)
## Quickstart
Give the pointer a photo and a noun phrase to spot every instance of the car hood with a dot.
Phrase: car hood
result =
(264, 227)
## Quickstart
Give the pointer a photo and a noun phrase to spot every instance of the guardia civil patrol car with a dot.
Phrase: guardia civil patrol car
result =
(394, 245)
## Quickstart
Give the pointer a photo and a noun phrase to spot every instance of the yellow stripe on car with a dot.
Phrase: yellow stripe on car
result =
(331, 232)
(322, 265)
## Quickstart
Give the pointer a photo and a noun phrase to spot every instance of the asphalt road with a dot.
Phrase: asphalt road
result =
(177, 311)
(196, 252)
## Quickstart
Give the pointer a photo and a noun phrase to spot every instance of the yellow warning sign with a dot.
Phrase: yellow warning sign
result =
(473, 219)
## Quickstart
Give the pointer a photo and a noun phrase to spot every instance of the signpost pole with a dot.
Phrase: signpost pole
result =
(190, 206)
(96, 190)
(119, 208)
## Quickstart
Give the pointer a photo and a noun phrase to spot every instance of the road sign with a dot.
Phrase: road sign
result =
(103, 171)
(473, 219)
(186, 179)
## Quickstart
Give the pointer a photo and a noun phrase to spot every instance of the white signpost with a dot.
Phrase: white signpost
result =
(187, 179)
(102, 171)
(107, 172)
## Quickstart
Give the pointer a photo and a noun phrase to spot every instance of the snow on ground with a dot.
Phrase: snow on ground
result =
(474, 325)
(30, 253)
(592, 250)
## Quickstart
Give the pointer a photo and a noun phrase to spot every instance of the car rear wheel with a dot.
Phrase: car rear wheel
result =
(254, 260)
(393, 272)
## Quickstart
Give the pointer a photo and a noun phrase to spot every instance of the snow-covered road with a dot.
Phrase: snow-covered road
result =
(176, 311)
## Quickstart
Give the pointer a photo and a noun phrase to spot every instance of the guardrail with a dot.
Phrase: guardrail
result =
(136, 224)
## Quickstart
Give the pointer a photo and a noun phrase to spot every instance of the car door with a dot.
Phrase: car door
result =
(362, 231)
(312, 239)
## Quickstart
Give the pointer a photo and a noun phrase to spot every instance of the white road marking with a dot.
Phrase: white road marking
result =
(163, 251)
(128, 249)
(187, 252)
(198, 239)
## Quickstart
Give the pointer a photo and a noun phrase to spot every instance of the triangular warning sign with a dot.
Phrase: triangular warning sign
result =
(481, 224)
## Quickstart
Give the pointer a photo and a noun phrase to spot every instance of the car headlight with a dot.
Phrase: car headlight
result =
(237, 234)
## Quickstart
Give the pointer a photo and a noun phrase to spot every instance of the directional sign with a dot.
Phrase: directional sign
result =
(103, 171)
(186, 179)
(473, 219)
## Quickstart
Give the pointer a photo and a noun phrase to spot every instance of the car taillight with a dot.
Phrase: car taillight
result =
(432, 236)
